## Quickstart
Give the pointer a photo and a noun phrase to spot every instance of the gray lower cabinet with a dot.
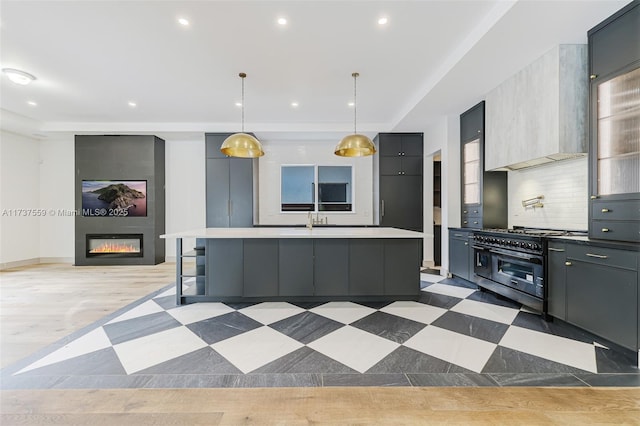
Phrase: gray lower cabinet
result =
(460, 254)
(331, 267)
(400, 274)
(596, 288)
(224, 264)
(366, 267)
(296, 267)
(260, 267)
(557, 280)
(306, 269)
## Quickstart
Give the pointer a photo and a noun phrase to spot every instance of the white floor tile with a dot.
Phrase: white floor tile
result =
(90, 342)
(256, 348)
(147, 351)
(449, 290)
(415, 311)
(171, 291)
(486, 310)
(555, 348)
(270, 312)
(344, 312)
(146, 308)
(458, 349)
(430, 277)
(354, 348)
(195, 312)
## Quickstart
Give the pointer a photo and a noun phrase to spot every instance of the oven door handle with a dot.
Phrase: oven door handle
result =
(532, 259)
(479, 248)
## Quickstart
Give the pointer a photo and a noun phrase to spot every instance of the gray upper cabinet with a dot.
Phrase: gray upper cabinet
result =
(400, 163)
(614, 131)
(540, 113)
(229, 186)
(483, 194)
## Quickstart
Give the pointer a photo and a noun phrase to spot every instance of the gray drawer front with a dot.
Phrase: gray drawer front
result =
(615, 230)
(616, 210)
(603, 256)
(469, 221)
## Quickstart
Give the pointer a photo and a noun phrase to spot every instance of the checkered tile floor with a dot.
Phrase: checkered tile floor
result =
(453, 336)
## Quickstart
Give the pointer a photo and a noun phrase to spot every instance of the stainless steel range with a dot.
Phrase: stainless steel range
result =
(513, 263)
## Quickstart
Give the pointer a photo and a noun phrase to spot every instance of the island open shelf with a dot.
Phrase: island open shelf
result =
(299, 264)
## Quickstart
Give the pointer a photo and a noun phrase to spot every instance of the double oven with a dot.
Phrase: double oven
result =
(512, 262)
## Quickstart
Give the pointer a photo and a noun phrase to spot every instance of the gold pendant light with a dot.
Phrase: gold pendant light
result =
(355, 145)
(242, 144)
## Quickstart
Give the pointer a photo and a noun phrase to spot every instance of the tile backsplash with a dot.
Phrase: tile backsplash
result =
(564, 185)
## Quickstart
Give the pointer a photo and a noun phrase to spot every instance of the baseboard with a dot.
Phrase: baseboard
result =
(35, 261)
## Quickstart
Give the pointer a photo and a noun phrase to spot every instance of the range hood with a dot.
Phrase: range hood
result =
(542, 160)
(539, 114)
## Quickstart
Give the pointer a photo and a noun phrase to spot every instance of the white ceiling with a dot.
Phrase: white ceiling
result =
(433, 58)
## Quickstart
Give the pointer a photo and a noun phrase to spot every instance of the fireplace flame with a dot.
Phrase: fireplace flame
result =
(115, 248)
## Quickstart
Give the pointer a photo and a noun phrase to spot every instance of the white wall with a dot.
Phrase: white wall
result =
(19, 197)
(311, 152)
(184, 189)
(564, 185)
(57, 198)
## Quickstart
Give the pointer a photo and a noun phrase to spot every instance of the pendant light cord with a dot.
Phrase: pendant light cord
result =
(355, 102)
(242, 76)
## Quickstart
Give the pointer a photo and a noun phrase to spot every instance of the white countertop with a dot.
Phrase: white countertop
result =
(320, 232)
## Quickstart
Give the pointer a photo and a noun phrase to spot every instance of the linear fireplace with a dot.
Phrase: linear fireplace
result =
(114, 245)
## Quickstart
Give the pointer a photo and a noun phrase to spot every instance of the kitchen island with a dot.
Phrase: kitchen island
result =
(298, 264)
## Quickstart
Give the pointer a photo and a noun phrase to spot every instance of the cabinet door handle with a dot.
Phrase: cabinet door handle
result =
(403, 154)
(475, 223)
(593, 76)
(555, 249)
(464, 211)
(605, 229)
(605, 210)
(466, 244)
(594, 197)
(457, 235)
(599, 256)
(475, 211)
(465, 222)
(382, 213)
(399, 154)
(567, 263)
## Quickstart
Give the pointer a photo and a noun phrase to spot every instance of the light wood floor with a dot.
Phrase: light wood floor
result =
(43, 303)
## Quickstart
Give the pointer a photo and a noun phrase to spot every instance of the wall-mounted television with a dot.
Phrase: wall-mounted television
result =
(114, 198)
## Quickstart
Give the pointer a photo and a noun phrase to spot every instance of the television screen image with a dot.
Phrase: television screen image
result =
(114, 198)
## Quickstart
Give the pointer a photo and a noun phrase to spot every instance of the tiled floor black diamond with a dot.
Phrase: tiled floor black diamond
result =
(390, 327)
(219, 328)
(489, 331)
(306, 326)
(134, 328)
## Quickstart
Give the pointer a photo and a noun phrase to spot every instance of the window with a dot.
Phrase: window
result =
(302, 185)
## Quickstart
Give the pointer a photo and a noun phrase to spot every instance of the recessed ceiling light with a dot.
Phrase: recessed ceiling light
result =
(282, 21)
(383, 21)
(132, 104)
(352, 104)
(183, 21)
(238, 104)
(18, 76)
(32, 103)
(294, 104)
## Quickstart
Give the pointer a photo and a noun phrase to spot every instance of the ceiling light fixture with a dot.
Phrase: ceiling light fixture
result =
(132, 104)
(295, 104)
(383, 21)
(355, 145)
(242, 144)
(32, 103)
(282, 21)
(183, 21)
(18, 76)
